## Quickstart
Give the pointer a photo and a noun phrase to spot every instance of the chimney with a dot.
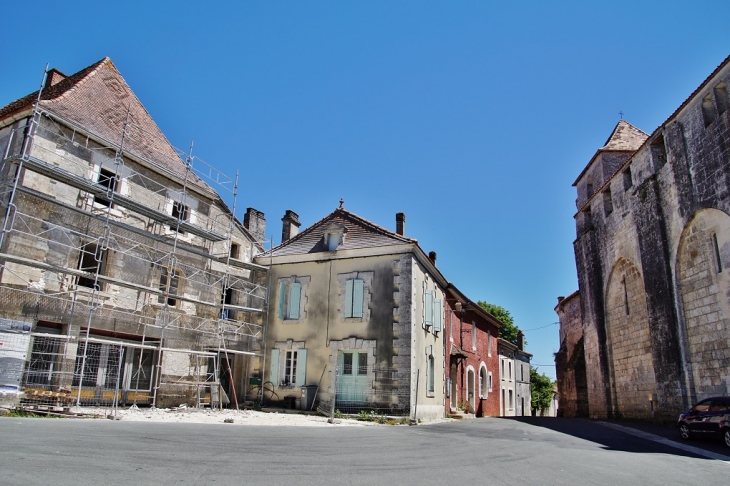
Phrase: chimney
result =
(432, 257)
(291, 225)
(400, 223)
(255, 223)
(520, 341)
(53, 77)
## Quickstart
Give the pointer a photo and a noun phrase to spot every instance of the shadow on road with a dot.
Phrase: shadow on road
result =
(612, 439)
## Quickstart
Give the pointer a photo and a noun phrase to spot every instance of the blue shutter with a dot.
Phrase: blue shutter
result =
(274, 367)
(295, 292)
(428, 306)
(437, 318)
(282, 299)
(357, 297)
(348, 298)
(301, 367)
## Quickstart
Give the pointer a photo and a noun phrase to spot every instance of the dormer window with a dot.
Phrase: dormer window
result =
(334, 236)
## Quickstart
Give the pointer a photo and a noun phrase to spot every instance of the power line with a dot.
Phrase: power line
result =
(541, 327)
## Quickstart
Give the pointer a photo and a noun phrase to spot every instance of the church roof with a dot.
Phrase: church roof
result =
(360, 233)
(97, 99)
(625, 136)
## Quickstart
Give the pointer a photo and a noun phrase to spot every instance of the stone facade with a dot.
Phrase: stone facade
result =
(652, 251)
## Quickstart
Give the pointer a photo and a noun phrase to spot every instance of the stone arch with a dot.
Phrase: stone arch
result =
(628, 341)
(703, 281)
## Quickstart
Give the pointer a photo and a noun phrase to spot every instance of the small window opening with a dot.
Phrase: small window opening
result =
(721, 98)
(589, 187)
(659, 152)
(708, 110)
(92, 259)
(227, 298)
(235, 251)
(607, 202)
(626, 296)
(431, 372)
(169, 286)
(717, 252)
(108, 180)
(180, 212)
(628, 179)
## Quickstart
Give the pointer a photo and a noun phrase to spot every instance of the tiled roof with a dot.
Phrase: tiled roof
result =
(625, 136)
(96, 99)
(361, 233)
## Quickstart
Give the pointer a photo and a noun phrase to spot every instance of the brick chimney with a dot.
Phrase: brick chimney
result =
(255, 223)
(400, 223)
(54, 76)
(291, 225)
(432, 257)
(520, 341)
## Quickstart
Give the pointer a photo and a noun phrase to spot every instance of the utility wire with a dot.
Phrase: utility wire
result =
(541, 327)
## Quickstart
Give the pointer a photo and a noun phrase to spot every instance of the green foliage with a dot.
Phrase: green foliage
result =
(508, 331)
(542, 390)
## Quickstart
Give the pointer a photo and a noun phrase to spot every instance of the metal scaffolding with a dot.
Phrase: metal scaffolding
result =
(126, 270)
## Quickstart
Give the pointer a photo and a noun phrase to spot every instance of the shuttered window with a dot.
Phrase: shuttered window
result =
(290, 297)
(354, 296)
(437, 315)
(428, 308)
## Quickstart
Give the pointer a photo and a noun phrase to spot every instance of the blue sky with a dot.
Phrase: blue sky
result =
(473, 118)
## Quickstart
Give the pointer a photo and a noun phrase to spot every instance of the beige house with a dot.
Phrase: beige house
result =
(355, 314)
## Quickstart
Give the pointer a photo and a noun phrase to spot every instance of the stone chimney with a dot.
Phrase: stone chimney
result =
(255, 223)
(291, 225)
(400, 223)
(54, 76)
(432, 257)
(520, 341)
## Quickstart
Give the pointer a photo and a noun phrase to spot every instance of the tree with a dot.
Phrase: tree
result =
(542, 390)
(508, 331)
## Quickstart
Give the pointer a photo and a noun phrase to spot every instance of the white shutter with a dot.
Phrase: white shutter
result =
(274, 368)
(301, 367)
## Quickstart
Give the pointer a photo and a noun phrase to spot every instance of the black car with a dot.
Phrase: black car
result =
(710, 417)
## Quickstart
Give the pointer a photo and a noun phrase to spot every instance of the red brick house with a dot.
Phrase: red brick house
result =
(472, 360)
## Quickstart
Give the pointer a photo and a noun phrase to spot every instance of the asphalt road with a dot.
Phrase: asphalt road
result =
(483, 451)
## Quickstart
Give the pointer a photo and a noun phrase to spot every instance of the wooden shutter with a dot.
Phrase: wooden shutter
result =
(295, 292)
(348, 298)
(437, 317)
(301, 367)
(274, 367)
(282, 299)
(428, 307)
(357, 297)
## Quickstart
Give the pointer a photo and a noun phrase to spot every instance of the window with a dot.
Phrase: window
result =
(430, 387)
(717, 252)
(489, 375)
(658, 152)
(628, 179)
(108, 180)
(511, 399)
(437, 315)
(489, 344)
(428, 308)
(503, 375)
(289, 300)
(607, 202)
(235, 251)
(354, 293)
(483, 382)
(451, 327)
(180, 212)
(169, 286)
(227, 298)
(473, 335)
(721, 98)
(708, 110)
(92, 259)
(509, 366)
(290, 368)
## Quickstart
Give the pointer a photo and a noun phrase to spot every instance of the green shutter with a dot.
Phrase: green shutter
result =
(295, 292)
(357, 297)
(274, 367)
(428, 306)
(282, 299)
(437, 318)
(301, 367)
(348, 298)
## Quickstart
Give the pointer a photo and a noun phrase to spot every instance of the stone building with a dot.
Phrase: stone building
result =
(652, 253)
(514, 378)
(356, 313)
(472, 365)
(124, 275)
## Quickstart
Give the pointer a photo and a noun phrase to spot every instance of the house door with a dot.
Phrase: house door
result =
(454, 386)
(353, 377)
